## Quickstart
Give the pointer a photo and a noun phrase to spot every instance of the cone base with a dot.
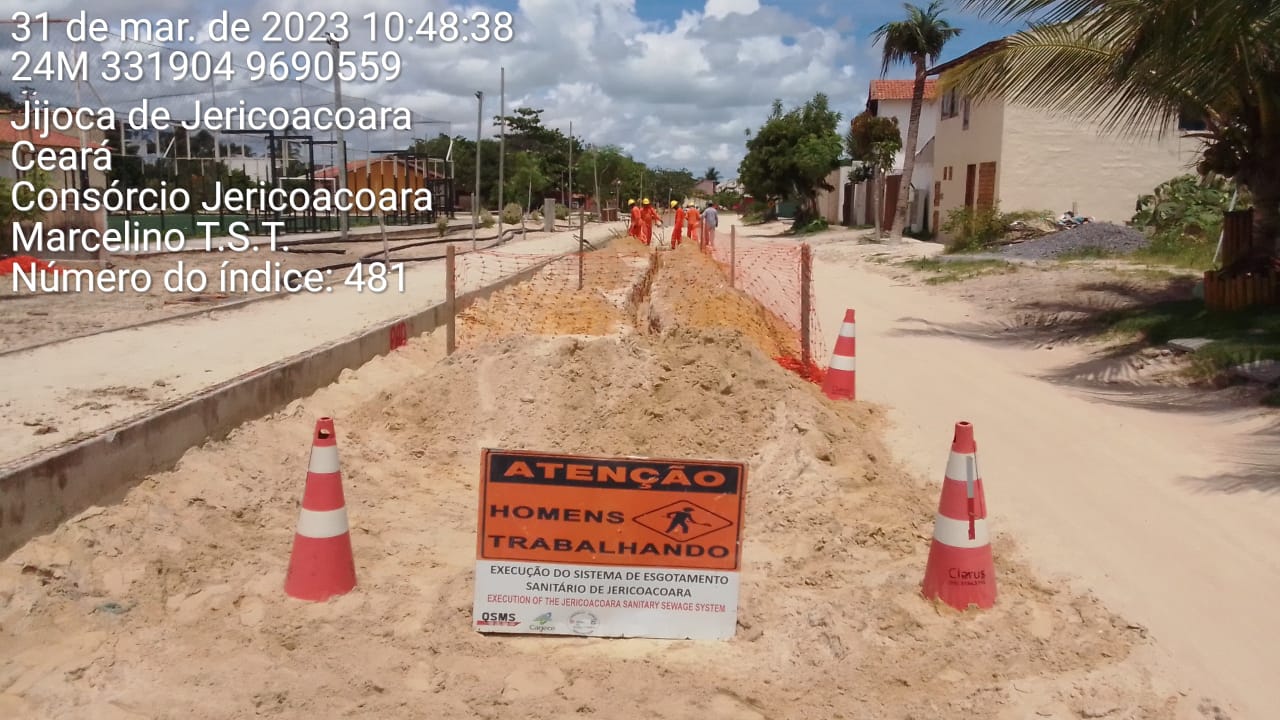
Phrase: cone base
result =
(960, 577)
(838, 388)
(320, 568)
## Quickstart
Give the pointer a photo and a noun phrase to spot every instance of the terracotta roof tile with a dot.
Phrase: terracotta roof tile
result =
(900, 89)
(9, 135)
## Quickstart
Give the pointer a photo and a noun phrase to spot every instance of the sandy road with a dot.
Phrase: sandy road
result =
(1150, 507)
(56, 393)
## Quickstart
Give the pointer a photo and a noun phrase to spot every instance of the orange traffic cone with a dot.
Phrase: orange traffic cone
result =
(961, 571)
(321, 565)
(838, 384)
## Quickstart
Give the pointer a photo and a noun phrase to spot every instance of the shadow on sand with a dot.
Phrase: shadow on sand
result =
(1106, 375)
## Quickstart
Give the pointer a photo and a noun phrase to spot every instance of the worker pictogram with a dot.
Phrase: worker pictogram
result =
(682, 521)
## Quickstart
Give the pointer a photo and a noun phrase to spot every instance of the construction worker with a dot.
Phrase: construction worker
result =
(648, 216)
(695, 222)
(710, 221)
(633, 229)
(677, 224)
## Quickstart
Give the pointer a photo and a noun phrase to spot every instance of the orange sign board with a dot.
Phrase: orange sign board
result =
(542, 507)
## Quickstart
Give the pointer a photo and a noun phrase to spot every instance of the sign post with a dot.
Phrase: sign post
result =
(608, 547)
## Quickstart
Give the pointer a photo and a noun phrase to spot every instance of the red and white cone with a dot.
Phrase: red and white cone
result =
(321, 565)
(839, 382)
(961, 571)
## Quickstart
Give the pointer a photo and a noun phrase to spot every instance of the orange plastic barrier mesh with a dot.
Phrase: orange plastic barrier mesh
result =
(770, 272)
(592, 293)
(26, 263)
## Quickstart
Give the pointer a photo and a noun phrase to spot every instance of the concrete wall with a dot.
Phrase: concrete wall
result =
(955, 148)
(901, 109)
(37, 496)
(831, 203)
(922, 181)
(1050, 161)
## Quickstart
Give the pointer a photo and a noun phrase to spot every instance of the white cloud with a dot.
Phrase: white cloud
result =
(678, 93)
(721, 8)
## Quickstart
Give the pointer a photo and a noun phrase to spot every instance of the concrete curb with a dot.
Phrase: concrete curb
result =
(38, 493)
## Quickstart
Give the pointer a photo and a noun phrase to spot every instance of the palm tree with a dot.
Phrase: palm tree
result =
(713, 176)
(1135, 67)
(918, 40)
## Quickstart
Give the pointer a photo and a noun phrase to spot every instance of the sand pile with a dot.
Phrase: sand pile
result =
(552, 303)
(169, 604)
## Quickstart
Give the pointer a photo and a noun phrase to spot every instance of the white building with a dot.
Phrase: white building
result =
(892, 98)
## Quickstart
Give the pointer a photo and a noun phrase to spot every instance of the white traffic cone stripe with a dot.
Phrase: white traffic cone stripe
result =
(961, 467)
(321, 524)
(847, 330)
(843, 362)
(324, 459)
(955, 533)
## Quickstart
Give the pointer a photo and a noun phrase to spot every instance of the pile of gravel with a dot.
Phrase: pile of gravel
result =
(1115, 239)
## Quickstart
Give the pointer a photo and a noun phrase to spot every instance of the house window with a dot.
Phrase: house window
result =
(1190, 121)
(966, 115)
(949, 104)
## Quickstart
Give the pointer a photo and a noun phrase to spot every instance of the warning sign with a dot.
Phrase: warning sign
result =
(610, 547)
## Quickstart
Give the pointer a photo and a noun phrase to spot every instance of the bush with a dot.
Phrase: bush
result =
(442, 225)
(816, 225)
(512, 214)
(974, 228)
(487, 219)
(536, 216)
(1187, 208)
(562, 212)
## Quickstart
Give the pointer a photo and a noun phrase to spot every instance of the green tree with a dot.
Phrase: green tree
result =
(792, 154)
(524, 178)
(1137, 66)
(9, 212)
(874, 142)
(713, 176)
(918, 40)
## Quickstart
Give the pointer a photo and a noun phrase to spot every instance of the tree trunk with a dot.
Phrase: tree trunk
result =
(909, 151)
(876, 203)
(1265, 188)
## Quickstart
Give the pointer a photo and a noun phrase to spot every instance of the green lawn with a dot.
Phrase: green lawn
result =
(957, 270)
(1239, 337)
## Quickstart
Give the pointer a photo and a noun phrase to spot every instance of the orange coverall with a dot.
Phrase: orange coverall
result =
(677, 224)
(695, 223)
(634, 230)
(648, 216)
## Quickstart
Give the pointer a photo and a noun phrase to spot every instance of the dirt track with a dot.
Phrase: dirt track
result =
(169, 604)
(86, 385)
(1159, 499)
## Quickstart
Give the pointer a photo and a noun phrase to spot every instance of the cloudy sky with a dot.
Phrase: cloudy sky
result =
(675, 82)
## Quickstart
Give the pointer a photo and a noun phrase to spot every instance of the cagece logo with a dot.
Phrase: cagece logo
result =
(542, 623)
(498, 619)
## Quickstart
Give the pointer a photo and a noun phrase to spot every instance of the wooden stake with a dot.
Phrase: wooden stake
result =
(582, 247)
(733, 252)
(806, 300)
(450, 300)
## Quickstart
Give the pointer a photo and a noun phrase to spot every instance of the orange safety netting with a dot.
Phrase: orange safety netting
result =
(811, 372)
(593, 293)
(770, 272)
(26, 263)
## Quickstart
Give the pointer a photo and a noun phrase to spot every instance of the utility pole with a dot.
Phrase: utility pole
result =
(84, 171)
(595, 173)
(569, 198)
(344, 217)
(502, 142)
(475, 199)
